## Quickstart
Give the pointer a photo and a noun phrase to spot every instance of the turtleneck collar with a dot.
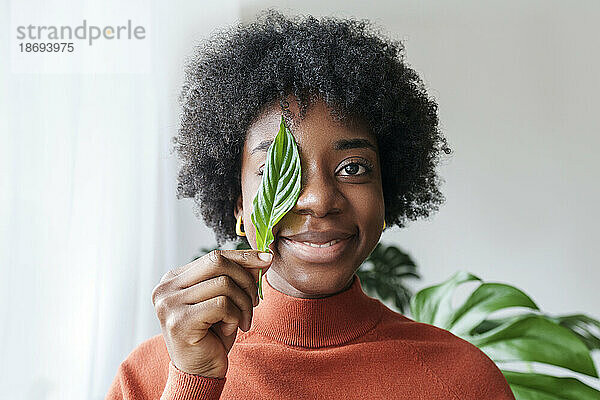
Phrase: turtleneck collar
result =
(313, 323)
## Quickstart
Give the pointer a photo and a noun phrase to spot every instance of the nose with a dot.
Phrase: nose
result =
(319, 194)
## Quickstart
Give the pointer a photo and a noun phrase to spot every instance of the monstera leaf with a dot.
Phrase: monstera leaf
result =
(582, 326)
(384, 273)
(279, 189)
(528, 337)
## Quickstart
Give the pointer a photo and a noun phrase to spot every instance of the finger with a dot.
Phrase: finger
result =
(211, 311)
(248, 258)
(218, 312)
(217, 263)
(175, 272)
(219, 286)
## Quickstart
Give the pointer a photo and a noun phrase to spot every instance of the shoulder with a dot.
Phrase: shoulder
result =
(470, 372)
(459, 365)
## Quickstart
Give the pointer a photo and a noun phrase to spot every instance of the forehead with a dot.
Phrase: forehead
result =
(318, 130)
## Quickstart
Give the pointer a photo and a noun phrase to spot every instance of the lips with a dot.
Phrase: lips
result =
(319, 255)
(319, 237)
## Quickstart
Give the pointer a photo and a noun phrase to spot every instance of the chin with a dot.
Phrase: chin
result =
(311, 280)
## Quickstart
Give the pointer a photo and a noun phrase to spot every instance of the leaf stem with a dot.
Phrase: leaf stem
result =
(260, 284)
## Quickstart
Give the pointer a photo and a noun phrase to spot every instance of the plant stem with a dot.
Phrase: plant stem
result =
(260, 284)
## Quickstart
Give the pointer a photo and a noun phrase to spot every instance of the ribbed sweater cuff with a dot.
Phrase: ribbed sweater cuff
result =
(183, 386)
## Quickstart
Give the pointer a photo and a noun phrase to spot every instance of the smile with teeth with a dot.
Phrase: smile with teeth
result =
(322, 245)
(317, 253)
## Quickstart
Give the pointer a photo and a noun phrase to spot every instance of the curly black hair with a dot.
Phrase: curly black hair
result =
(241, 71)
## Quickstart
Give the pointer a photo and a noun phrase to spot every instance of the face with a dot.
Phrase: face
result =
(341, 198)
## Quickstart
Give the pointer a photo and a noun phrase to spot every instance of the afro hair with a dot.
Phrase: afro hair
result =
(241, 71)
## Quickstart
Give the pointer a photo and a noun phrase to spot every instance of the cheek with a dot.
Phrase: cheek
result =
(368, 201)
(250, 185)
(248, 225)
(375, 218)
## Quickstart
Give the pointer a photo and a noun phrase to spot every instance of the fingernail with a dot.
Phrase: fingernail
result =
(265, 256)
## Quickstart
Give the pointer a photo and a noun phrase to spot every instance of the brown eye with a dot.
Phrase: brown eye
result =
(353, 169)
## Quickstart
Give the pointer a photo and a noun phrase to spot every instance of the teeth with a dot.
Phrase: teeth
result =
(322, 245)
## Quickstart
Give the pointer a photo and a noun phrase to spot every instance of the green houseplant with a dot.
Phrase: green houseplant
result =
(563, 341)
(384, 272)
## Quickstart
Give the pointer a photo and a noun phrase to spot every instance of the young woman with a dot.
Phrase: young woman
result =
(369, 143)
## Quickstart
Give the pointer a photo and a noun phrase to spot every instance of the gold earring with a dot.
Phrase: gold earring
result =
(238, 227)
(383, 224)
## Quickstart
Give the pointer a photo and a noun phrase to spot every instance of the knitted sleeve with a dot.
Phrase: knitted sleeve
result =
(183, 386)
(148, 373)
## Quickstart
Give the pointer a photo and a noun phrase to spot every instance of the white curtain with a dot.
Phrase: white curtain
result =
(88, 198)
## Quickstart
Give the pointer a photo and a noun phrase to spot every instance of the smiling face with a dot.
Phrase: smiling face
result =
(341, 193)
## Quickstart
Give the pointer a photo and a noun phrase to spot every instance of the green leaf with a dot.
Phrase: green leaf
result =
(532, 337)
(583, 327)
(487, 298)
(432, 305)
(279, 189)
(532, 386)
(383, 272)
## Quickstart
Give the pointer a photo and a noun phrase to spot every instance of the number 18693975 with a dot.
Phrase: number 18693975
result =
(43, 47)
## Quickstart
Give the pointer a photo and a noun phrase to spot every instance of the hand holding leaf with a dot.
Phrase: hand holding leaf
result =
(278, 191)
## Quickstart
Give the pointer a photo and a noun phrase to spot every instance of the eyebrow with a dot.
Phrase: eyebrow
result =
(345, 144)
(342, 144)
(262, 146)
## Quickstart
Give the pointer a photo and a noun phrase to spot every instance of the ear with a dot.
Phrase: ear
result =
(239, 207)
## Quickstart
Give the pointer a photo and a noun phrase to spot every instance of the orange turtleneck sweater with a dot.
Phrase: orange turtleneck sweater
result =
(345, 346)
